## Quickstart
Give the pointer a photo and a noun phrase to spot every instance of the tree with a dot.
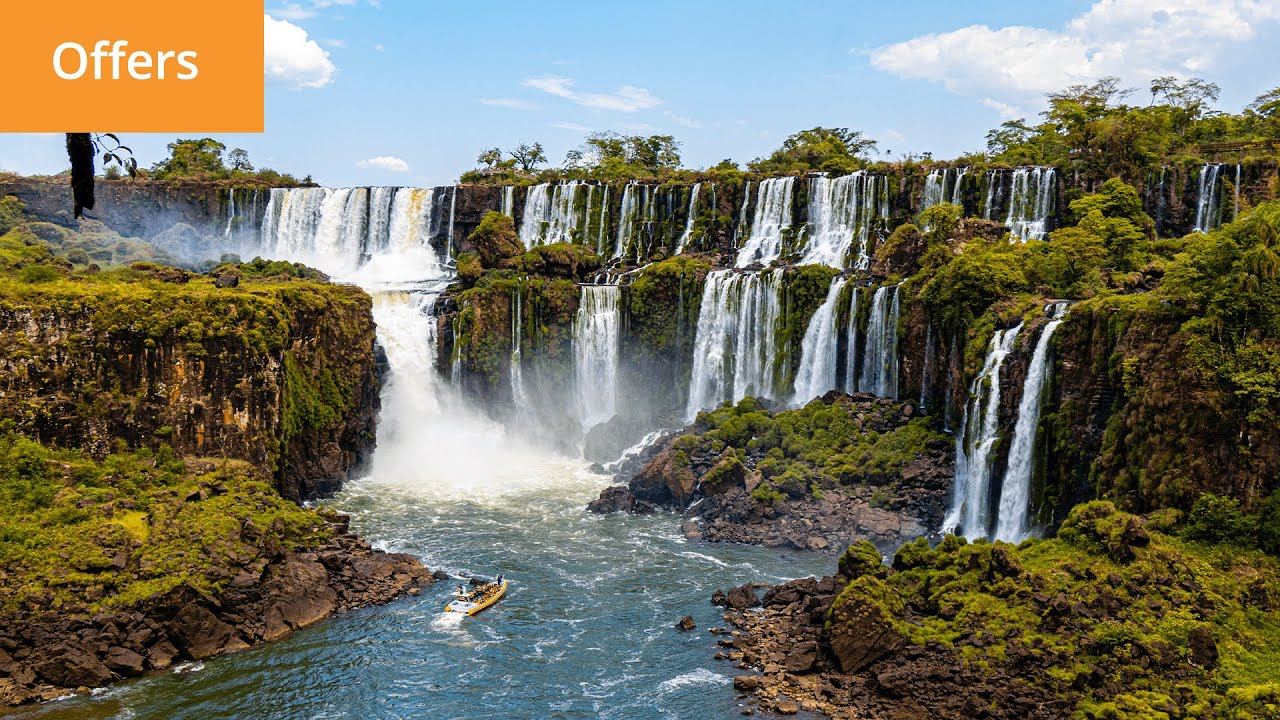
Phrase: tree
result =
(238, 161)
(528, 156)
(193, 158)
(819, 148)
(1266, 105)
(490, 158)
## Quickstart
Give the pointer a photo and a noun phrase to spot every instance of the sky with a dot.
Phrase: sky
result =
(405, 92)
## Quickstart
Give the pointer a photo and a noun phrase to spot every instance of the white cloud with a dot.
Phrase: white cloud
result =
(627, 98)
(509, 103)
(571, 126)
(293, 59)
(389, 163)
(379, 47)
(1005, 110)
(335, 42)
(1135, 40)
(293, 11)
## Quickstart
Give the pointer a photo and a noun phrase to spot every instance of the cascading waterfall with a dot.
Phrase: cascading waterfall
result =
(1209, 198)
(549, 214)
(740, 229)
(735, 348)
(595, 349)
(943, 185)
(817, 372)
(1012, 520)
(1031, 200)
(979, 432)
(880, 355)
(994, 197)
(508, 207)
(1235, 208)
(636, 215)
(926, 367)
(604, 220)
(518, 394)
(687, 235)
(379, 225)
(851, 342)
(772, 217)
(843, 214)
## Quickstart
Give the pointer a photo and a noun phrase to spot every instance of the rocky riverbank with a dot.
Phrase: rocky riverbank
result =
(845, 468)
(1117, 617)
(199, 559)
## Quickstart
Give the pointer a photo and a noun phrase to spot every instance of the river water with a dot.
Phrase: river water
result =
(585, 631)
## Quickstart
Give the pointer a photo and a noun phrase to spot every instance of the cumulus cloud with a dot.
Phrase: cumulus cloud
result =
(1135, 40)
(390, 163)
(293, 59)
(293, 11)
(627, 98)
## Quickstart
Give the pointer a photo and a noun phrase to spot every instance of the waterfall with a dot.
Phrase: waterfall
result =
(991, 203)
(637, 212)
(595, 353)
(508, 207)
(519, 396)
(979, 432)
(550, 215)
(604, 221)
(1209, 199)
(1015, 495)
(231, 211)
(880, 356)
(740, 228)
(926, 367)
(843, 213)
(735, 347)
(453, 205)
(943, 185)
(957, 190)
(772, 217)
(378, 232)
(851, 342)
(687, 235)
(817, 373)
(1031, 200)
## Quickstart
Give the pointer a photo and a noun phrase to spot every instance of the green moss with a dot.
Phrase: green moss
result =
(83, 536)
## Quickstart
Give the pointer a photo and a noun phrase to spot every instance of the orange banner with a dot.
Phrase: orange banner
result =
(172, 66)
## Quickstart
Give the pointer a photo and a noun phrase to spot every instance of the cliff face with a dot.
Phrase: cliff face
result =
(277, 373)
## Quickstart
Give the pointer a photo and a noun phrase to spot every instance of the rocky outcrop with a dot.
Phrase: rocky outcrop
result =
(272, 594)
(724, 497)
(279, 373)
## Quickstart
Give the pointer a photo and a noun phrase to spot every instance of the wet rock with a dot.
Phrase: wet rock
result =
(746, 683)
(616, 498)
(71, 667)
(123, 661)
(742, 597)
(686, 624)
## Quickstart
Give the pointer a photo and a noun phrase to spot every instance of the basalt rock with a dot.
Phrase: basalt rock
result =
(47, 656)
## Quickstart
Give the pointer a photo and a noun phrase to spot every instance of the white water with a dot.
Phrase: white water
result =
(1209, 199)
(992, 199)
(971, 493)
(926, 367)
(772, 217)
(549, 215)
(851, 341)
(519, 396)
(636, 215)
(508, 207)
(943, 185)
(735, 350)
(880, 356)
(1031, 201)
(740, 229)
(817, 373)
(846, 215)
(595, 353)
(1012, 520)
(687, 236)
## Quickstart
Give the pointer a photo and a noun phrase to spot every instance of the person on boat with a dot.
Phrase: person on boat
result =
(499, 580)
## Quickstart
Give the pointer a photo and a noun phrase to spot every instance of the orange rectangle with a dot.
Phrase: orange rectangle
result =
(111, 56)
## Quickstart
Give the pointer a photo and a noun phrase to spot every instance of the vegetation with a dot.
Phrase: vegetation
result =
(202, 160)
(80, 536)
(1117, 614)
(838, 150)
(798, 451)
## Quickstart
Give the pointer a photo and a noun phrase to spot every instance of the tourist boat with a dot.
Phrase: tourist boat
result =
(478, 599)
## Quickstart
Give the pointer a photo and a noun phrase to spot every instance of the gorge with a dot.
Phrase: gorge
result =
(531, 330)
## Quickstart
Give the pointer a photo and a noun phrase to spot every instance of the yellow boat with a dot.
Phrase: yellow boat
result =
(478, 599)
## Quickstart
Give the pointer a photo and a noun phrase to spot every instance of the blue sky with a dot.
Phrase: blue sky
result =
(403, 92)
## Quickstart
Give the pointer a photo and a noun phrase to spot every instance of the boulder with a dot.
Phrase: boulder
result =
(742, 597)
(686, 624)
(201, 634)
(124, 661)
(68, 666)
(665, 481)
(863, 624)
(616, 498)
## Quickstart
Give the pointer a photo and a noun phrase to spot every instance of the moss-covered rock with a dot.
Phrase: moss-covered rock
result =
(493, 241)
